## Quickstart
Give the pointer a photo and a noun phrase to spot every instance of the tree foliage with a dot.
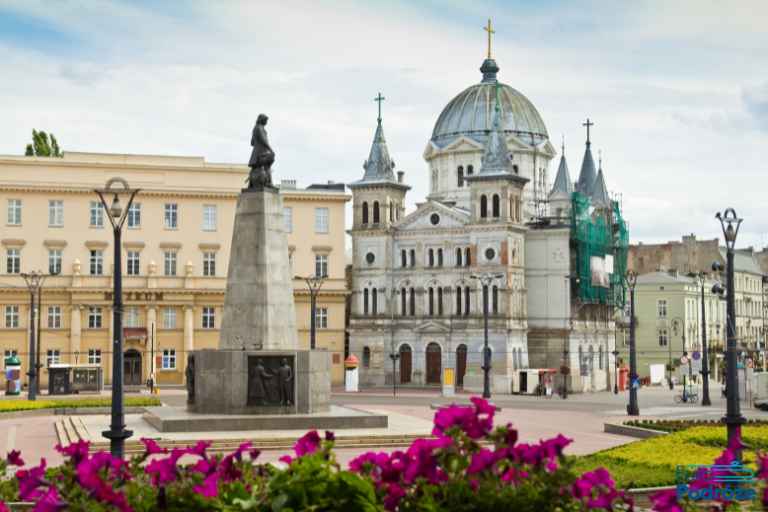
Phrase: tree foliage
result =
(43, 145)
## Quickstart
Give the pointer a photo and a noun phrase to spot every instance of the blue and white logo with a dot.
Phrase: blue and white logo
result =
(734, 482)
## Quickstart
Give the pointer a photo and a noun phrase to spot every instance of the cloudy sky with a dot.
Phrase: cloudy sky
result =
(678, 90)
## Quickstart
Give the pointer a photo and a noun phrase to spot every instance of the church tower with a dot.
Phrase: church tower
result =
(560, 195)
(587, 175)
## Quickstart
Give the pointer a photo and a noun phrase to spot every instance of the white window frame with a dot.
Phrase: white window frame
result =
(169, 317)
(322, 220)
(210, 216)
(663, 335)
(95, 319)
(96, 262)
(13, 260)
(96, 214)
(321, 264)
(209, 263)
(170, 259)
(54, 317)
(12, 316)
(14, 212)
(134, 216)
(94, 356)
(55, 257)
(288, 219)
(52, 356)
(169, 359)
(55, 213)
(171, 215)
(321, 317)
(661, 308)
(133, 263)
(209, 317)
(132, 316)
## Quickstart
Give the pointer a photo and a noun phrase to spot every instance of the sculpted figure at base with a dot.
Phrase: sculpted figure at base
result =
(285, 376)
(262, 156)
(190, 374)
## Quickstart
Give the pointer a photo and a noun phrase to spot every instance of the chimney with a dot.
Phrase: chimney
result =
(400, 175)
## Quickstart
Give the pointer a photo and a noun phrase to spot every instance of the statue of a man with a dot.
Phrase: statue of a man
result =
(285, 376)
(260, 377)
(262, 156)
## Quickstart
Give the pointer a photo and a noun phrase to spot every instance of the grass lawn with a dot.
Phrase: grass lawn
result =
(652, 462)
(9, 405)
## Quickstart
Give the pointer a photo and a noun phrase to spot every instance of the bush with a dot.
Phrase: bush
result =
(56, 403)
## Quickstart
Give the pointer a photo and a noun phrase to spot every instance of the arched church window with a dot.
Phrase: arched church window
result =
(413, 258)
(391, 212)
(495, 300)
(496, 205)
(413, 302)
(467, 260)
(365, 301)
(516, 169)
(439, 257)
(460, 177)
(440, 301)
(403, 258)
(470, 170)
(374, 301)
(483, 206)
(600, 357)
(366, 357)
(458, 256)
(403, 300)
(376, 219)
(466, 300)
(431, 253)
(431, 302)
(458, 300)
(365, 212)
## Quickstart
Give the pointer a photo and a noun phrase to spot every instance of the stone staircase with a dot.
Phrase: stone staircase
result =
(71, 429)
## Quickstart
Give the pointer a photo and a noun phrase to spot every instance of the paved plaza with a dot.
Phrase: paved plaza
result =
(580, 416)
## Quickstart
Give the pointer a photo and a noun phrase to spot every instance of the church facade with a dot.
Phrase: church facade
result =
(491, 229)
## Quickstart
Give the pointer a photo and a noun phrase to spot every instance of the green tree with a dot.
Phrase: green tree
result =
(42, 145)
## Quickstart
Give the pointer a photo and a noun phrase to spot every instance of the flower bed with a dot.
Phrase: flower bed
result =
(13, 405)
(677, 425)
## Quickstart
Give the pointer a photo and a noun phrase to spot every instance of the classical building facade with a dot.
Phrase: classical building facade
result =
(175, 254)
(417, 300)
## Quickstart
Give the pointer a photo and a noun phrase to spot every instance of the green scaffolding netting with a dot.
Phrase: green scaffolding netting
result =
(598, 233)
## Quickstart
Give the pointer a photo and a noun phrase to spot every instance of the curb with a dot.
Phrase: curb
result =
(72, 411)
(631, 431)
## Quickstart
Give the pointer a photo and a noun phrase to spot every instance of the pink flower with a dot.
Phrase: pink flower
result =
(165, 470)
(75, 451)
(475, 421)
(210, 486)
(151, 447)
(287, 459)
(481, 461)
(50, 502)
(199, 449)
(330, 436)
(666, 501)
(394, 494)
(14, 458)
(4, 507)
(308, 444)
(30, 480)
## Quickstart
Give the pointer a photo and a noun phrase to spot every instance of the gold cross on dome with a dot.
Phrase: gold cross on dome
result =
(490, 31)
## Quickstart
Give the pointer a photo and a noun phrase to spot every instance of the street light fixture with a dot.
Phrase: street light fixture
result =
(117, 434)
(701, 279)
(616, 370)
(314, 283)
(34, 282)
(730, 224)
(485, 281)
(630, 280)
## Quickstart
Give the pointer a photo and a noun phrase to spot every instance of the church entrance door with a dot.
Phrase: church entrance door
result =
(434, 363)
(461, 365)
(405, 364)
(132, 368)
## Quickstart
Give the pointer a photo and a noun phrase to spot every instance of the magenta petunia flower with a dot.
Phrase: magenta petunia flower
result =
(151, 447)
(287, 459)
(308, 444)
(14, 458)
(666, 501)
(210, 486)
(330, 436)
(4, 507)
(75, 451)
(481, 461)
(30, 481)
(50, 502)
(199, 449)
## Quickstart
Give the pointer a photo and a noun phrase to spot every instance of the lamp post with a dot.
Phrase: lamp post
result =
(677, 322)
(485, 281)
(632, 408)
(701, 279)
(730, 223)
(117, 434)
(34, 282)
(314, 283)
(616, 371)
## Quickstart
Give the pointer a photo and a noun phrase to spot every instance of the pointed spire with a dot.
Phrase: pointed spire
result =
(379, 166)
(496, 157)
(563, 187)
(599, 193)
(587, 175)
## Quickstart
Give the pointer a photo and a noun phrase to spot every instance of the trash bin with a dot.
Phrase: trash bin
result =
(59, 381)
(12, 375)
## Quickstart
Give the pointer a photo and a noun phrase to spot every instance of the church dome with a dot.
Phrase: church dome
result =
(471, 112)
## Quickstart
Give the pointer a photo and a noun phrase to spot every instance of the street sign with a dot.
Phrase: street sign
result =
(696, 355)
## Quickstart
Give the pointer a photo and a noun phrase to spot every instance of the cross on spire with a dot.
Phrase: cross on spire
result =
(588, 124)
(562, 143)
(379, 99)
(490, 31)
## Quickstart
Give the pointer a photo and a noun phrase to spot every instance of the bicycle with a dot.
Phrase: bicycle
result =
(689, 398)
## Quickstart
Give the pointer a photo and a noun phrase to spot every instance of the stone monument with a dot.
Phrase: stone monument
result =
(258, 367)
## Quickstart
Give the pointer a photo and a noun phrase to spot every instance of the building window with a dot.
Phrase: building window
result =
(209, 217)
(97, 263)
(391, 211)
(413, 257)
(470, 170)
(133, 262)
(403, 258)
(460, 177)
(661, 306)
(321, 265)
(431, 294)
(97, 214)
(13, 261)
(458, 300)
(495, 300)
(171, 216)
(365, 212)
(94, 318)
(209, 264)
(56, 213)
(458, 257)
(94, 356)
(496, 206)
(169, 318)
(466, 300)
(53, 356)
(321, 220)
(413, 302)
(439, 257)
(483, 206)
(663, 337)
(374, 301)
(365, 301)
(321, 318)
(431, 253)
(169, 260)
(376, 213)
(169, 359)
(14, 212)
(54, 261)
(209, 317)
(366, 357)
(54, 317)
(12, 317)
(440, 301)
(132, 317)
(403, 301)
(288, 219)
(467, 258)
(134, 215)
(600, 357)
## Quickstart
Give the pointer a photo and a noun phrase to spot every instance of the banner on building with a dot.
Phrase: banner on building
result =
(599, 273)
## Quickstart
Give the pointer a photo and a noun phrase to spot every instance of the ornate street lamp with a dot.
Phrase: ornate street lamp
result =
(34, 282)
(314, 283)
(730, 224)
(485, 281)
(632, 408)
(117, 434)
